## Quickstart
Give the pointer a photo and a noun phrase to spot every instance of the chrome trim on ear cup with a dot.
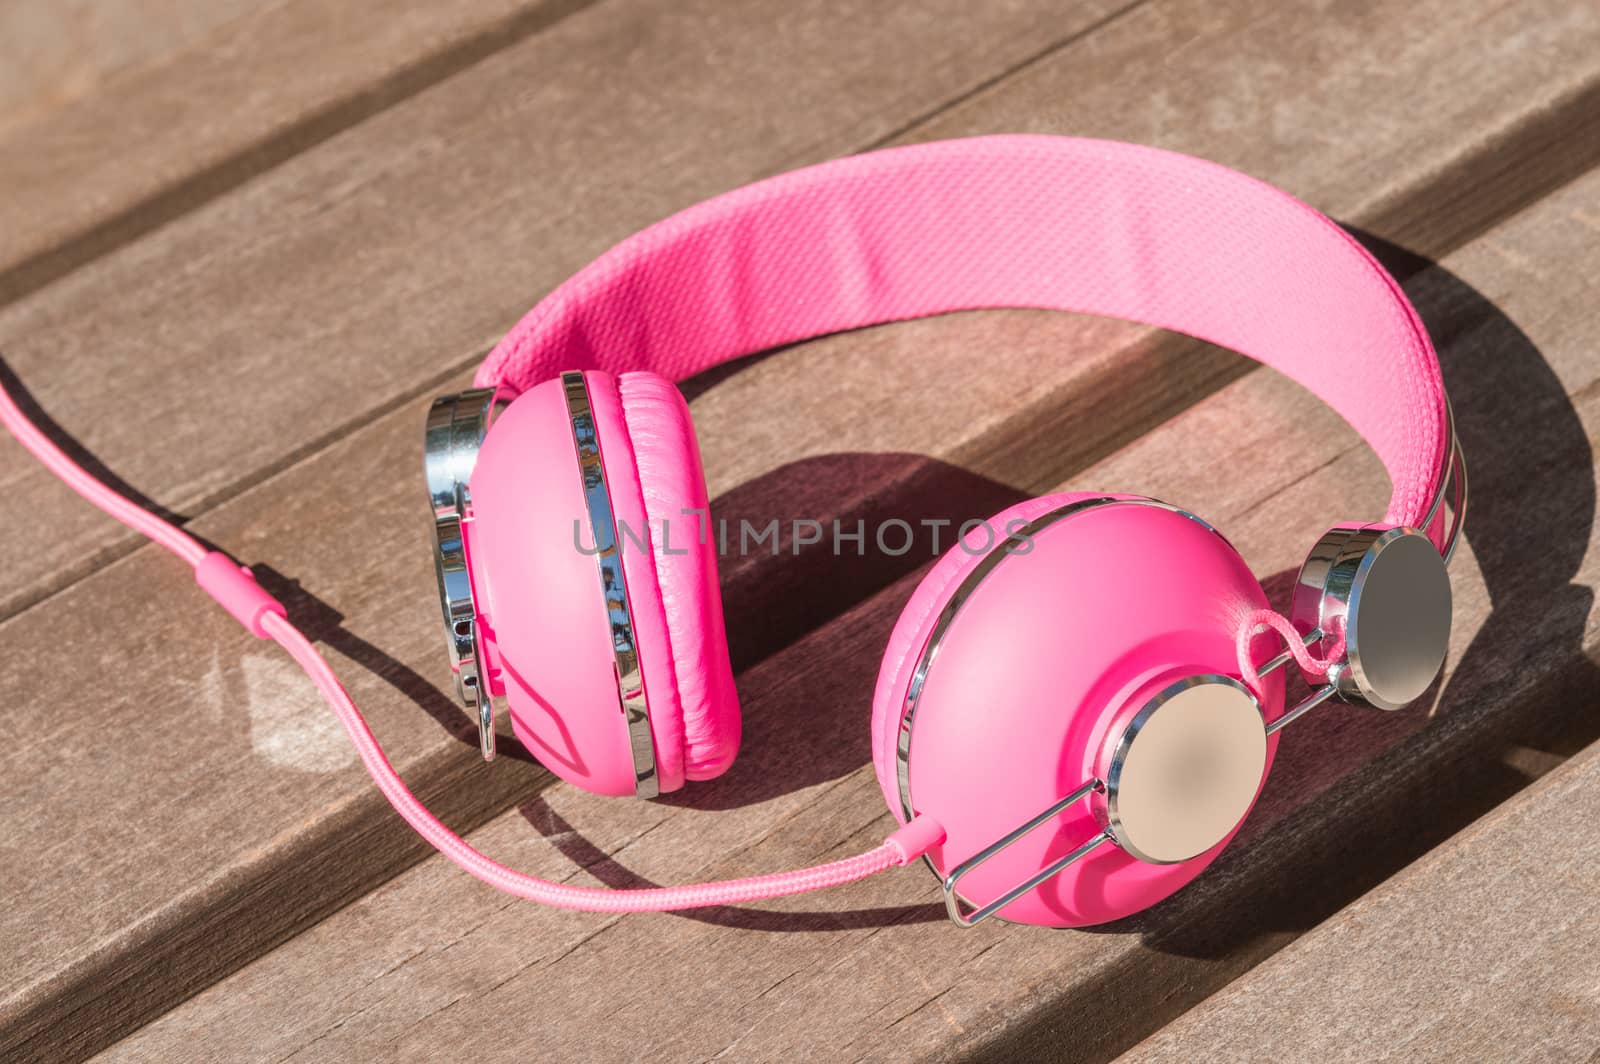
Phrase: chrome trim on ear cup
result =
(454, 432)
(608, 557)
(997, 554)
(1334, 579)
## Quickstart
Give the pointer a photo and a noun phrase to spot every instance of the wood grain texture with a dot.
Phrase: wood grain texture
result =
(1488, 947)
(871, 971)
(310, 284)
(55, 51)
(358, 274)
(1422, 88)
(156, 142)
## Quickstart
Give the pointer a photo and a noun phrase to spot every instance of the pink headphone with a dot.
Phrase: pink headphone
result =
(1070, 722)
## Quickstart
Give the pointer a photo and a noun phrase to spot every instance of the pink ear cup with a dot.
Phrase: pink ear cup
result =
(541, 599)
(916, 621)
(683, 552)
(1050, 650)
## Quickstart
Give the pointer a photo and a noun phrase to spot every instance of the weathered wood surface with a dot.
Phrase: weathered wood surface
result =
(434, 959)
(53, 52)
(157, 141)
(360, 273)
(355, 275)
(404, 244)
(1487, 948)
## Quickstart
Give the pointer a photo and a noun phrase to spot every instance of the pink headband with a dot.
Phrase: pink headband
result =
(1011, 221)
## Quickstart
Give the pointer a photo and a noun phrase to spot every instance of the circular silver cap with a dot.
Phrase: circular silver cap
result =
(1389, 590)
(1185, 770)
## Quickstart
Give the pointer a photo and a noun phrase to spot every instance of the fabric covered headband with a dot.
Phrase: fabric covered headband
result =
(1099, 227)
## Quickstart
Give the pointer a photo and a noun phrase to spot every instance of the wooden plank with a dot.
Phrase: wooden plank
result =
(1388, 978)
(55, 51)
(510, 177)
(1241, 83)
(89, 176)
(1356, 794)
(305, 280)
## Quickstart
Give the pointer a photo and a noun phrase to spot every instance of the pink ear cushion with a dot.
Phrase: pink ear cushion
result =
(916, 623)
(684, 556)
(650, 629)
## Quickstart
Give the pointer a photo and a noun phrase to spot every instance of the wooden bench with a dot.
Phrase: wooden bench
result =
(1522, 984)
(245, 322)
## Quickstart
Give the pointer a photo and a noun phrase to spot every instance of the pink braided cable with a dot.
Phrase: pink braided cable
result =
(54, 459)
(561, 895)
(1258, 621)
(238, 592)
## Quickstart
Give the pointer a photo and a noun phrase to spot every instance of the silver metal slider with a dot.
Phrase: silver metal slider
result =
(1310, 702)
(1286, 655)
(953, 901)
(456, 427)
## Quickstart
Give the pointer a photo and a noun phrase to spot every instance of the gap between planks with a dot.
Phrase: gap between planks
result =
(1503, 172)
(245, 162)
(1525, 980)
